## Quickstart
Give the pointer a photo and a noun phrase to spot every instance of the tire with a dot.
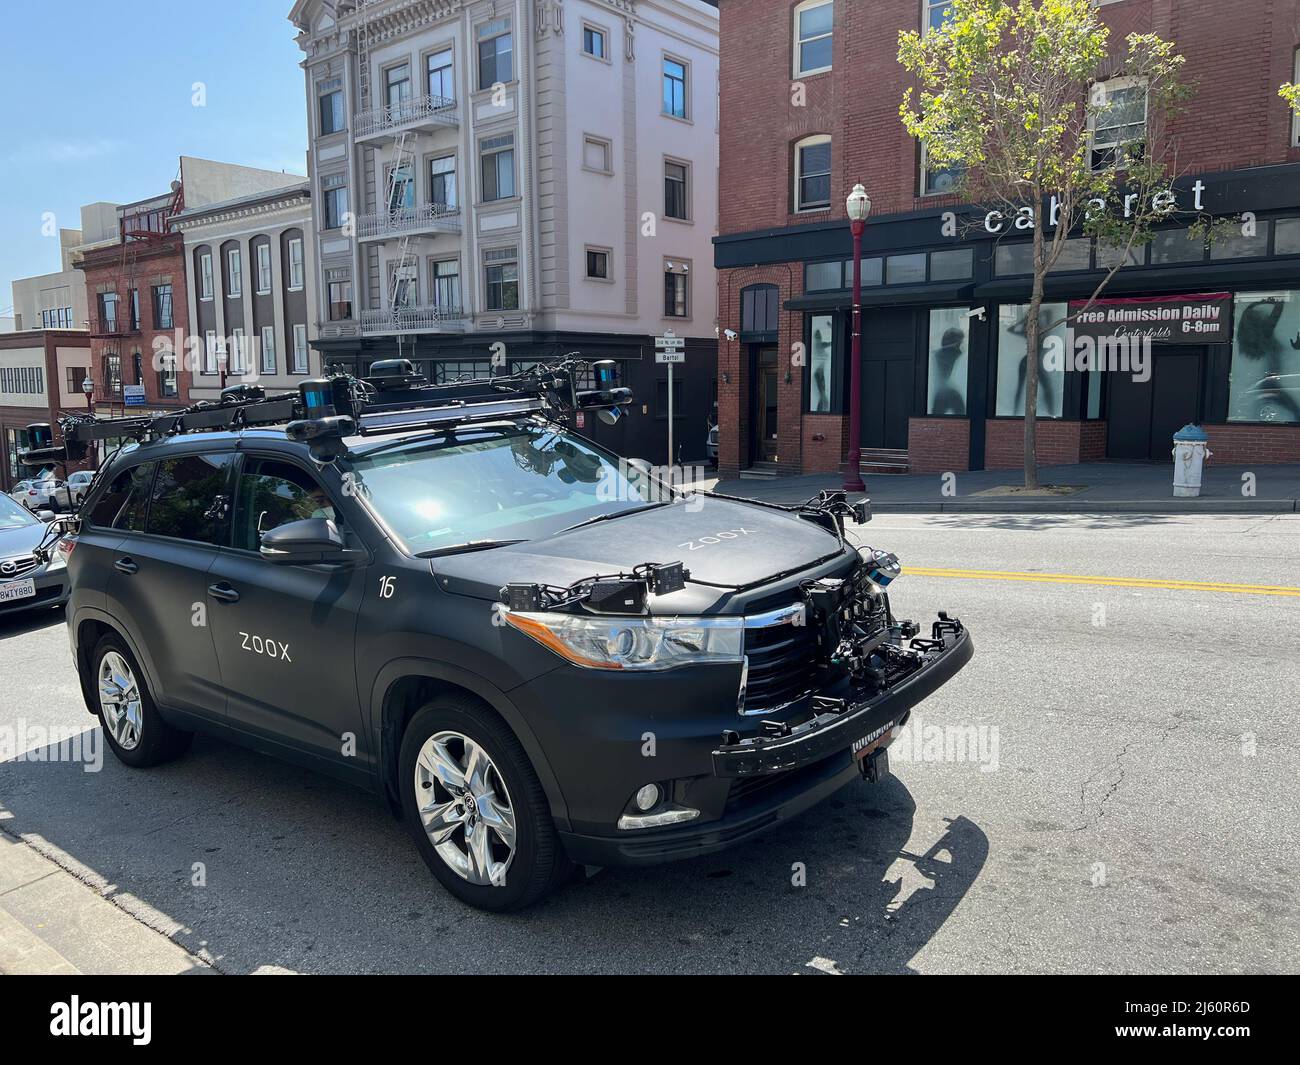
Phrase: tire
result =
(536, 863)
(138, 735)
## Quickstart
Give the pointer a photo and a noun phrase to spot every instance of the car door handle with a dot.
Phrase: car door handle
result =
(224, 592)
(125, 565)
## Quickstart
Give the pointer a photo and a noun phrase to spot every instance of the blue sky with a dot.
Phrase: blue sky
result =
(97, 106)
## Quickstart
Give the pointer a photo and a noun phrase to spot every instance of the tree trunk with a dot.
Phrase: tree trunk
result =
(1033, 347)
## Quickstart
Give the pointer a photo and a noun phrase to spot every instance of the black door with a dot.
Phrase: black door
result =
(158, 581)
(888, 378)
(1142, 416)
(285, 633)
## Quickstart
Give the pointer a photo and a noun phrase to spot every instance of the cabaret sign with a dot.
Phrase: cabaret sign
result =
(1204, 318)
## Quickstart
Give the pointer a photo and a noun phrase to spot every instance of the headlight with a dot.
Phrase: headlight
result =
(635, 643)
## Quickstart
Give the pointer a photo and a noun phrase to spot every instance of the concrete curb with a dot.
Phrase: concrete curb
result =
(1002, 505)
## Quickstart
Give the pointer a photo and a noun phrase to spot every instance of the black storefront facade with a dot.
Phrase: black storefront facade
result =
(642, 434)
(944, 293)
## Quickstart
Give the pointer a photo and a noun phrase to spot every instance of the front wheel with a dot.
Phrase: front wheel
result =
(136, 732)
(476, 807)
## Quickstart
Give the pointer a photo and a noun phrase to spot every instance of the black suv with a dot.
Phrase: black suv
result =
(536, 653)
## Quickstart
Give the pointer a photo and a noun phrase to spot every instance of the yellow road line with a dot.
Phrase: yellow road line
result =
(1119, 582)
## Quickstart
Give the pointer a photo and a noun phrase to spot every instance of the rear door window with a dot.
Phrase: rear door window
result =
(191, 498)
(273, 493)
(124, 504)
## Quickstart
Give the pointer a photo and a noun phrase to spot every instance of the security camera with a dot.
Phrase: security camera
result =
(977, 312)
(730, 334)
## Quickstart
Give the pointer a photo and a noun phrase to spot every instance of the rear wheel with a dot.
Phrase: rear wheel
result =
(476, 807)
(135, 730)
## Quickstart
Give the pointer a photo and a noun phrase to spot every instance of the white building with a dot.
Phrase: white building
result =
(503, 181)
(250, 288)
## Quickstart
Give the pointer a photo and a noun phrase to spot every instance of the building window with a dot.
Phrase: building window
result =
(1120, 121)
(167, 386)
(74, 376)
(502, 277)
(135, 311)
(1012, 360)
(1265, 369)
(594, 42)
(934, 13)
(330, 104)
(448, 371)
(210, 354)
(812, 176)
(949, 345)
(263, 268)
(238, 346)
(108, 312)
(401, 188)
(113, 374)
(234, 273)
(760, 308)
(676, 201)
(445, 284)
(676, 290)
(824, 277)
(162, 306)
(295, 264)
(939, 181)
(954, 264)
(336, 200)
(340, 301)
(495, 54)
(299, 349)
(441, 78)
(405, 285)
(598, 264)
(497, 163)
(205, 275)
(813, 46)
(905, 269)
(397, 90)
(822, 390)
(442, 182)
(674, 88)
(268, 349)
(597, 155)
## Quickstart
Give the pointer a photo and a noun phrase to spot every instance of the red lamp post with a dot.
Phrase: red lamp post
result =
(859, 206)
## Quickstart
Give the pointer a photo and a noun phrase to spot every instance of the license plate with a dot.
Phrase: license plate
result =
(15, 590)
(868, 743)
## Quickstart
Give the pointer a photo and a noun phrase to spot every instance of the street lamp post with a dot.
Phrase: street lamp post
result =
(88, 388)
(859, 206)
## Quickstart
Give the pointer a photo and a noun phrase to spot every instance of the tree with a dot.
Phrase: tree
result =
(1010, 94)
(1291, 94)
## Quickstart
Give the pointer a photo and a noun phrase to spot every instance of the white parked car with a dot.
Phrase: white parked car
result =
(69, 495)
(36, 495)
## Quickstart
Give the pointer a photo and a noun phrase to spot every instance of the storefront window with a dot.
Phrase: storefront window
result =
(1014, 259)
(1236, 245)
(955, 265)
(1264, 381)
(1287, 239)
(1076, 255)
(949, 348)
(821, 364)
(872, 272)
(905, 269)
(1013, 360)
(820, 277)
(1177, 246)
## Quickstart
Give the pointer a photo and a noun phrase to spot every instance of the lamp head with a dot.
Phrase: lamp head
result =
(859, 204)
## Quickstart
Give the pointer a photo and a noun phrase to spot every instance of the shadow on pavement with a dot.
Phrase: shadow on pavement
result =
(23, 622)
(303, 873)
(1044, 522)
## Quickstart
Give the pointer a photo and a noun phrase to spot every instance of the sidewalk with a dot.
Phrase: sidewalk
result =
(53, 923)
(1099, 487)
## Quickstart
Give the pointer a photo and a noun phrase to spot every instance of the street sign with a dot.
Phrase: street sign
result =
(670, 349)
(133, 395)
(670, 357)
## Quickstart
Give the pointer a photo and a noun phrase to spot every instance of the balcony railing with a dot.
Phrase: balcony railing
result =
(416, 111)
(414, 319)
(425, 218)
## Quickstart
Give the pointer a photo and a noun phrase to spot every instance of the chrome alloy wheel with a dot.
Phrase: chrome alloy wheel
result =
(119, 700)
(465, 808)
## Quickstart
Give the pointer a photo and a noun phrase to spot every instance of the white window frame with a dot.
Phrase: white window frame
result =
(1111, 85)
(925, 167)
(268, 349)
(235, 271)
(238, 351)
(687, 79)
(604, 35)
(211, 363)
(589, 139)
(799, 145)
(264, 268)
(687, 191)
(928, 6)
(296, 271)
(809, 5)
(599, 249)
(205, 276)
(301, 357)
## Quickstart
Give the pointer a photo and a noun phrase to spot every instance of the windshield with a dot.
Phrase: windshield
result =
(492, 484)
(12, 516)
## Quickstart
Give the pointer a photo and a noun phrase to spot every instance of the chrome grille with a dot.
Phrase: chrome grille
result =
(16, 566)
(780, 650)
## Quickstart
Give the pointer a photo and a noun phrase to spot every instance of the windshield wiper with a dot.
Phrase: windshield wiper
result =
(467, 546)
(618, 514)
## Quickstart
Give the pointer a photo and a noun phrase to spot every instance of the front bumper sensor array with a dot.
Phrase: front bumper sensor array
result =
(836, 724)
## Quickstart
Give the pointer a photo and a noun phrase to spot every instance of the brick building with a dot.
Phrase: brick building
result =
(41, 371)
(809, 106)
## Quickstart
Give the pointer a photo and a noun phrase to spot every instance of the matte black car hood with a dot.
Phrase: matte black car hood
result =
(724, 544)
(21, 541)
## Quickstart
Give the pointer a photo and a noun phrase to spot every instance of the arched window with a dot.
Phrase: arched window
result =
(812, 173)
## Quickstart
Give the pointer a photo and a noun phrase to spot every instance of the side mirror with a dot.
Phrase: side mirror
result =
(310, 540)
(46, 515)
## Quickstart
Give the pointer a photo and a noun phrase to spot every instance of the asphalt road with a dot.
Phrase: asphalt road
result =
(1129, 801)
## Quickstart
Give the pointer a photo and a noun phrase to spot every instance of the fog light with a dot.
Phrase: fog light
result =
(647, 798)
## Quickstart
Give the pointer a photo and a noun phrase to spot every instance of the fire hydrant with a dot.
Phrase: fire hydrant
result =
(1191, 449)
